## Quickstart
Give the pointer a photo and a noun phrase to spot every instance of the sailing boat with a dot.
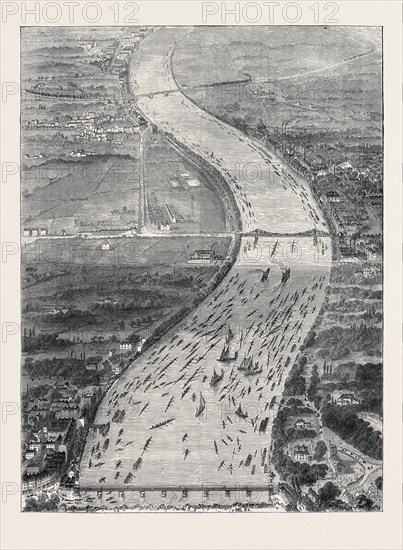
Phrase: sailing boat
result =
(216, 378)
(265, 275)
(239, 412)
(201, 406)
(249, 367)
(230, 335)
(285, 275)
(226, 354)
(244, 363)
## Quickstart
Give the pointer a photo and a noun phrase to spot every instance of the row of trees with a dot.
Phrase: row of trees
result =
(352, 429)
(68, 368)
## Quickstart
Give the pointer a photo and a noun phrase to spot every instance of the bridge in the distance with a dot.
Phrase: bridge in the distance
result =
(186, 88)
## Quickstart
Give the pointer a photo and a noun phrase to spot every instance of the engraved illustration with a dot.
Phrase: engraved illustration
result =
(202, 267)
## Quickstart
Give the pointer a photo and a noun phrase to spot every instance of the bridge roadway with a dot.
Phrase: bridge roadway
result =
(231, 487)
(186, 88)
(270, 320)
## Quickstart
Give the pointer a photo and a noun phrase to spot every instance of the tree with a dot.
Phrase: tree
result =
(364, 503)
(328, 493)
(320, 450)
(315, 380)
(295, 385)
(43, 503)
(310, 339)
(302, 361)
(379, 483)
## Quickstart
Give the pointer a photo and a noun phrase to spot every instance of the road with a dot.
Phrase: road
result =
(315, 71)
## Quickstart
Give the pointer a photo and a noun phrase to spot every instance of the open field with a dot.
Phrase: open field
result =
(97, 193)
(111, 293)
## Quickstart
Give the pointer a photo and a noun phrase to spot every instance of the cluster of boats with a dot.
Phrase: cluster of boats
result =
(206, 362)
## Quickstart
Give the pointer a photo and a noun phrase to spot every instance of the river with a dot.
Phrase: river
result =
(260, 318)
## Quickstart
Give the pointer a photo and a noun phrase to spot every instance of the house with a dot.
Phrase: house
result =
(174, 214)
(333, 196)
(37, 465)
(171, 214)
(68, 487)
(174, 183)
(116, 370)
(140, 345)
(372, 255)
(95, 365)
(34, 446)
(372, 271)
(202, 257)
(127, 346)
(67, 413)
(106, 246)
(347, 399)
(87, 397)
(301, 453)
(36, 412)
(349, 260)
(29, 455)
(302, 424)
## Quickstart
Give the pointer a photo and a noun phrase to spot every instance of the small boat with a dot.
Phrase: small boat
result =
(201, 406)
(216, 378)
(128, 478)
(263, 425)
(163, 423)
(137, 464)
(105, 429)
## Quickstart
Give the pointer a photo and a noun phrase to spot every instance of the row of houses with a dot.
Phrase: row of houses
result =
(159, 216)
(35, 231)
(346, 400)
(46, 455)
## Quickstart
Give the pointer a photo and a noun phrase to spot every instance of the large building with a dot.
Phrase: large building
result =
(187, 180)
(202, 257)
(301, 453)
